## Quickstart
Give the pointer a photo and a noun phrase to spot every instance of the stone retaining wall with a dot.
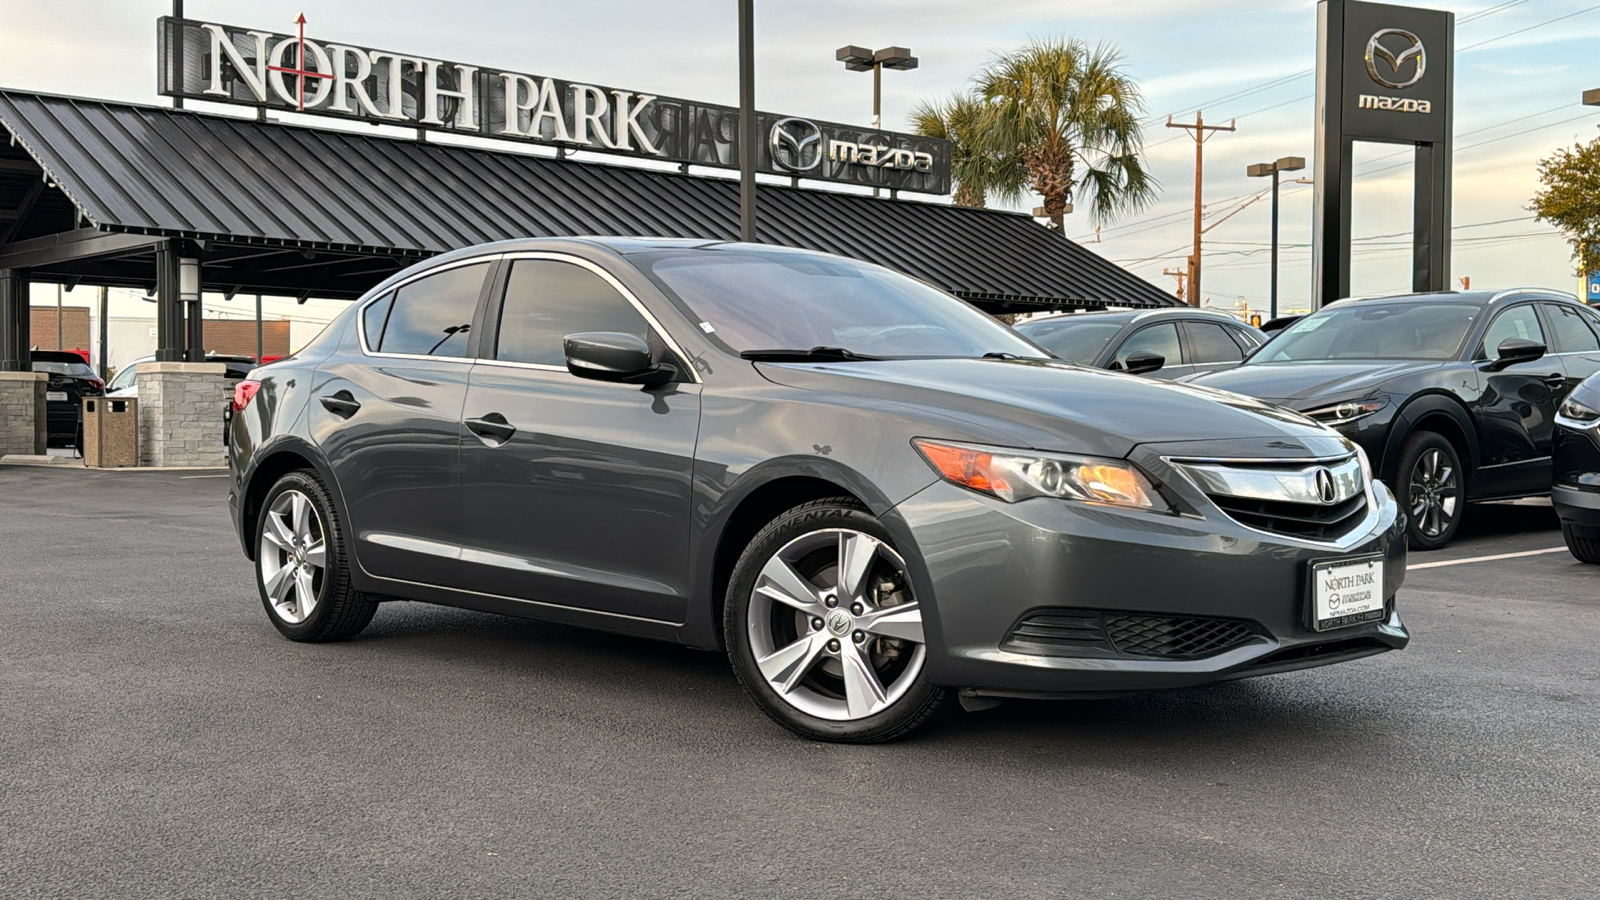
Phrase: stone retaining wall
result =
(22, 413)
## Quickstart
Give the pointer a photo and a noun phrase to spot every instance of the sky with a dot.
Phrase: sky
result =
(1521, 67)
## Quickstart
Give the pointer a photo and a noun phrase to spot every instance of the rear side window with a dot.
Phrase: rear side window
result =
(1209, 343)
(1161, 340)
(373, 319)
(432, 315)
(546, 300)
(1568, 331)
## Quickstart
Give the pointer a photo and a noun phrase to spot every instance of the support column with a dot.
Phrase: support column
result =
(180, 413)
(14, 326)
(169, 308)
(189, 294)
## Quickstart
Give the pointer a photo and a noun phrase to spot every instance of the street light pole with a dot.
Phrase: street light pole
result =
(1259, 170)
(860, 59)
(747, 121)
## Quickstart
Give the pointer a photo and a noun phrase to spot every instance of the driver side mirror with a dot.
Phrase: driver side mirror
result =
(1142, 361)
(615, 356)
(1516, 350)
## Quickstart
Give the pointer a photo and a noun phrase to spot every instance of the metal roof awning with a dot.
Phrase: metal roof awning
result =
(290, 209)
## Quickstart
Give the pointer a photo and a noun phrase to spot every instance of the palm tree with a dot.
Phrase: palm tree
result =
(1072, 117)
(977, 171)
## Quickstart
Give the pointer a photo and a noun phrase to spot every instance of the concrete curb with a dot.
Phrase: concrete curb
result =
(69, 462)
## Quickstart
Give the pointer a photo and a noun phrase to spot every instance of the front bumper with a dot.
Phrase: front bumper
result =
(988, 565)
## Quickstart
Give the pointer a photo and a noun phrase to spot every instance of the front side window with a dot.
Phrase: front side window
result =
(1372, 330)
(1516, 322)
(1210, 343)
(546, 300)
(433, 315)
(791, 300)
(1162, 340)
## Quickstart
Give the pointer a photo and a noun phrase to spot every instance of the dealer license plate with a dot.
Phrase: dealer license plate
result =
(54, 396)
(1346, 592)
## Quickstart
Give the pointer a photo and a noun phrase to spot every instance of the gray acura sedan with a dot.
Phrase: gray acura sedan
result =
(871, 496)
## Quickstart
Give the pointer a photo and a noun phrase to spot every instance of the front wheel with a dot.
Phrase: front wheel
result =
(1432, 489)
(1585, 548)
(824, 630)
(301, 568)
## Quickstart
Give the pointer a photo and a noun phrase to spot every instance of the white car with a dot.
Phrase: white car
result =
(126, 383)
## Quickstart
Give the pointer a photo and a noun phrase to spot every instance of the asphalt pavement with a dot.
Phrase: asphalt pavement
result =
(159, 739)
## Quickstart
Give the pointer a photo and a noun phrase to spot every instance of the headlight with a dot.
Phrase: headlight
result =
(1346, 412)
(1579, 414)
(1014, 475)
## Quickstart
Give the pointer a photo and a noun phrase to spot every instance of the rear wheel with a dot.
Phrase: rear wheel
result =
(1432, 489)
(1584, 548)
(301, 568)
(823, 628)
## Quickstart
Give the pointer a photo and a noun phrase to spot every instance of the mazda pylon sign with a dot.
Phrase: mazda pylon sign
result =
(296, 73)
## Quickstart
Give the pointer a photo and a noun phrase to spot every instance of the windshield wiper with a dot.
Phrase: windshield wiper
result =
(815, 354)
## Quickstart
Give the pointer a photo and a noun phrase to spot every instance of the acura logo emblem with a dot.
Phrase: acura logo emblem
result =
(1326, 491)
(1410, 50)
(796, 144)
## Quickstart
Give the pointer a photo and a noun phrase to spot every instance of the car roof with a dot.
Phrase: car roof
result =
(1124, 316)
(1484, 297)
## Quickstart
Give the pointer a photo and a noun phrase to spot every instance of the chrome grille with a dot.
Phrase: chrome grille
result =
(1320, 500)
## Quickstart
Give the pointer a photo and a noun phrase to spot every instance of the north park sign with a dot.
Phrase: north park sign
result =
(295, 73)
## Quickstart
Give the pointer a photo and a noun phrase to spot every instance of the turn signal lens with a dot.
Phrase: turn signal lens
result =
(243, 393)
(1019, 475)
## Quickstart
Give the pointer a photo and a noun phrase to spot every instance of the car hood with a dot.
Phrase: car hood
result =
(1303, 384)
(1057, 406)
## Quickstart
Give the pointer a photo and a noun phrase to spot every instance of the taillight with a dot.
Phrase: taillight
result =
(97, 384)
(243, 392)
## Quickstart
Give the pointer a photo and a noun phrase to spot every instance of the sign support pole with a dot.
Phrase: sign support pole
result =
(747, 121)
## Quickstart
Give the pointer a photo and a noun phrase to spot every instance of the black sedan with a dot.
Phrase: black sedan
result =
(1168, 343)
(1452, 395)
(71, 379)
(871, 496)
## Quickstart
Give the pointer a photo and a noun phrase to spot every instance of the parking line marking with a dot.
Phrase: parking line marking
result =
(1473, 559)
(187, 477)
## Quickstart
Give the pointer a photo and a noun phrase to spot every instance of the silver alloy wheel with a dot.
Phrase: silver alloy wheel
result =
(1433, 493)
(293, 556)
(834, 627)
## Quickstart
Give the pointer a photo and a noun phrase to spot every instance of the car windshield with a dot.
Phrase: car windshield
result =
(1075, 341)
(771, 300)
(52, 367)
(1367, 330)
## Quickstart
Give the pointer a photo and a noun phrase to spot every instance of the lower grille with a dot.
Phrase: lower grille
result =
(1088, 632)
(1303, 520)
(1175, 637)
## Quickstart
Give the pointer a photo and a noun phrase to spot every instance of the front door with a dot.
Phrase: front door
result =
(574, 492)
(387, 418)
(1516, 416)
(1160, 339)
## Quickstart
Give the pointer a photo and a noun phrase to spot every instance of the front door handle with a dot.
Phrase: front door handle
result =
(341, 404)
(1556, 380)
(492, 427)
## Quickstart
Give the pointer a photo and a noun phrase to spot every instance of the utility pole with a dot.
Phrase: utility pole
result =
(1179, 274)
(1199, 131)
(1273, 169)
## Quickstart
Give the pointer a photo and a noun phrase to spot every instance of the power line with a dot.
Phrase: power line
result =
(1529, 28)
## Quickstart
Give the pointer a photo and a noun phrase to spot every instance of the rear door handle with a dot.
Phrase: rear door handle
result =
(492, 427)
(341, 404)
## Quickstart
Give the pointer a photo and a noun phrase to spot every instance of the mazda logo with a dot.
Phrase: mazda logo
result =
(1397, 62)
(1327, 492)
(796, 144)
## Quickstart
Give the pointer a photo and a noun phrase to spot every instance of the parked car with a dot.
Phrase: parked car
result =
(1575, 491)
(870, 495)
(125, 383)
(71, 379)
(1167, 342)
(1453, 395)
(1273, 326)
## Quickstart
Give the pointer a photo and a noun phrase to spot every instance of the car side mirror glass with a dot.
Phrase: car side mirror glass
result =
(615, 356)
(1516, 350)
(1142, 361)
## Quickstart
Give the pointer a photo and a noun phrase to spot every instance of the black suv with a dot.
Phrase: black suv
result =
(1169, 342)
(1453, 395)
(71, 379)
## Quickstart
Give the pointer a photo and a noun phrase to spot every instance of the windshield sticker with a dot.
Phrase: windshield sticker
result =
(706, 327)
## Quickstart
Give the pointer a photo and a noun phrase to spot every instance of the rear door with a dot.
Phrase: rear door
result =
(575, 492)
(1572, 336)
(1211, 346)
(388, 419)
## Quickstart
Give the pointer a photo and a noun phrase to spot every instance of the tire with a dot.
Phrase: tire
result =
(830, 661)
(298, 527)
(1584, 549)
(1432, 490)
